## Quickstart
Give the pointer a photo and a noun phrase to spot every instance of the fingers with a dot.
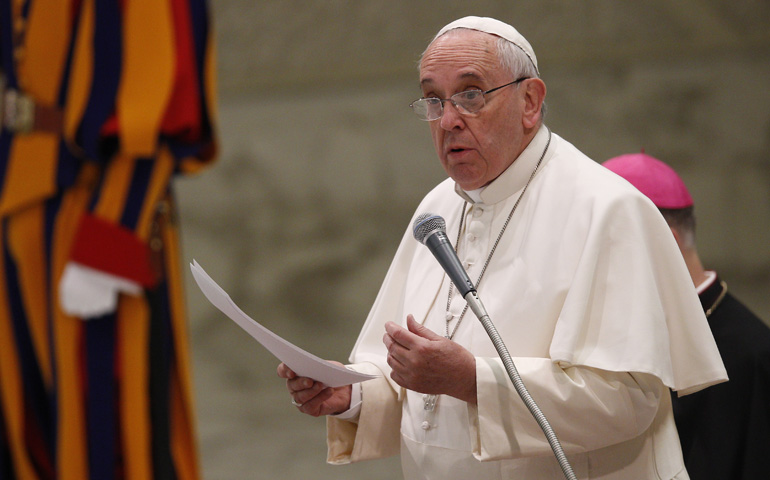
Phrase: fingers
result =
(421, 330)
(322, 400)
(311, 400)
(397, 344)
(399, 340)
(401, 336)
(403, 343)
(312, 397)
(412, 335)
(393, 331)
(285, 372)
(417, 356)
(301, 389)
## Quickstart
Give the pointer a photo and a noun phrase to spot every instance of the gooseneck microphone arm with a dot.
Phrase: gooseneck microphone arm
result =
(430, 230)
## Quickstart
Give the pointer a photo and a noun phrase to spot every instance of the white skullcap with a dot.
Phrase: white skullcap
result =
(494, 27)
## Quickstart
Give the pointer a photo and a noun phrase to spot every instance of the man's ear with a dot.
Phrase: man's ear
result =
(534, 96)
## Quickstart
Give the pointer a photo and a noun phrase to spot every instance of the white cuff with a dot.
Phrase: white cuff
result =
(85, 292)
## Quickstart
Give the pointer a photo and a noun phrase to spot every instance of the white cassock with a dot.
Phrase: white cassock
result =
(592, 299)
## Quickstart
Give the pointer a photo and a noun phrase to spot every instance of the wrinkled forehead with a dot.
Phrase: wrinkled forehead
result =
(463, 52)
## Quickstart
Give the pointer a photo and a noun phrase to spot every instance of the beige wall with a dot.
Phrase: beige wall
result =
(323, 164)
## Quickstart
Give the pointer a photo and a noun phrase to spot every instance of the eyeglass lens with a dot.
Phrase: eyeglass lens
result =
(467, 102)
(470, 101)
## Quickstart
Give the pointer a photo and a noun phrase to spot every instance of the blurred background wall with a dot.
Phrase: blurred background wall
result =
(323, 164)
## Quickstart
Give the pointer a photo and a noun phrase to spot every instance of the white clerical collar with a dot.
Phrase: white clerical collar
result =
(515, 177)
(710, 277)
(475, 195)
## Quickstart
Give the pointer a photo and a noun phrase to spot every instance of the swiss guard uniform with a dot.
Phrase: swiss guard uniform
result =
(103, 103)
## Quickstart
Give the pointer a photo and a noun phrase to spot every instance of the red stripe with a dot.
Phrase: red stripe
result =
(183, 113)
(36, 446)
(113, 249)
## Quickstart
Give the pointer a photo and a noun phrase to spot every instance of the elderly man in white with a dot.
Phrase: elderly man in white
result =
(577, 270)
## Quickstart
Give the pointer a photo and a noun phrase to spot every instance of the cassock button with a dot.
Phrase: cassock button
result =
(425, 425)
(449, 316)
(478, 211)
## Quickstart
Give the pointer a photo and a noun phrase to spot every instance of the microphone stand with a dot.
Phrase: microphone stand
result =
(474, 302)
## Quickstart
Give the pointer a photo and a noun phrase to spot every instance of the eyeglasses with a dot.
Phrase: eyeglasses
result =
(467, 102)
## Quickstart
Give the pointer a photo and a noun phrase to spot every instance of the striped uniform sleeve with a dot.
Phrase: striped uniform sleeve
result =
(145, 117)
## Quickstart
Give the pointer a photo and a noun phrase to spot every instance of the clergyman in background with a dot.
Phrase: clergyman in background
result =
(725, 429)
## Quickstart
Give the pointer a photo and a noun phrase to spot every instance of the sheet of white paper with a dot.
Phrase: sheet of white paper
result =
(303, 363)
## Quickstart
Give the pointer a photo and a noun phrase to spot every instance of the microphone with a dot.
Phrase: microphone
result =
(430, 230)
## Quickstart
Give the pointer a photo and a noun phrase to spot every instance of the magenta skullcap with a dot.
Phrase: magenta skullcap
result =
(494, 27)
(659, 182)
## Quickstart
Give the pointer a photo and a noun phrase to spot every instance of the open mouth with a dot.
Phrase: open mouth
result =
(457, 149)
(458, 153)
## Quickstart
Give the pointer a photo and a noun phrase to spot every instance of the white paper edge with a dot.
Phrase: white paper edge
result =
(303, 363)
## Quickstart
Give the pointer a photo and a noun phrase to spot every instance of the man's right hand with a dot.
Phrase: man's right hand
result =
(312, 397)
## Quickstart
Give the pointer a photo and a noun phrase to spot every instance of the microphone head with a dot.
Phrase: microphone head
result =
(425, 224)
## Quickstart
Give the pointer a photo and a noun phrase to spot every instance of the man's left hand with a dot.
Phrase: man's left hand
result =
(425, 362)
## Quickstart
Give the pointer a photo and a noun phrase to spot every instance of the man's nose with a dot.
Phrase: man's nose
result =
(452, 118)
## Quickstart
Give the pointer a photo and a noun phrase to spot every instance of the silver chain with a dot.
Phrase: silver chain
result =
(494, 247)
